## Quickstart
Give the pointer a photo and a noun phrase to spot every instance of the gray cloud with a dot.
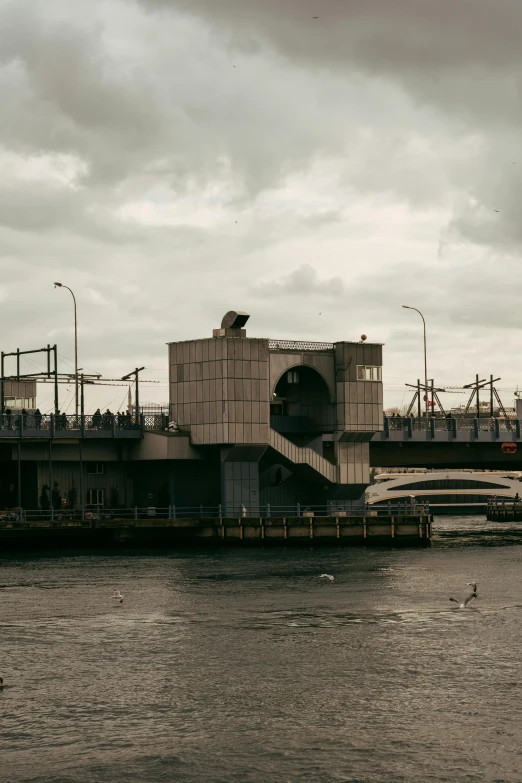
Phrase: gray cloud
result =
(343, 165)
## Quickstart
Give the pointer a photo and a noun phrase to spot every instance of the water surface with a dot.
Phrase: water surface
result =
(242, 666)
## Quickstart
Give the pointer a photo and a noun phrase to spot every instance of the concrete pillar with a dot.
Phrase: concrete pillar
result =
(240, 489)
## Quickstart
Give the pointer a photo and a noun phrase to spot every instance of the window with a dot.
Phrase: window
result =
(95, 497)
(450, 484)
(292, 376)
(95, 468)
(365, 373)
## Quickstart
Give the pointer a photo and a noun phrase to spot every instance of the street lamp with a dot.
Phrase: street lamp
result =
(61, 285)
(425, 359)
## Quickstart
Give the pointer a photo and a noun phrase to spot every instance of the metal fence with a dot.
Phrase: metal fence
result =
(94, 514)
(34, 422)
(450, 424)
(298, 345)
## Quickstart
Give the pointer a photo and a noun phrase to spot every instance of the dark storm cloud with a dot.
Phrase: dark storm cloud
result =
(171, 161)
(461, 57)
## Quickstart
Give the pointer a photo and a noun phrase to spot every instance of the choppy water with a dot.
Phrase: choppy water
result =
(241, 666)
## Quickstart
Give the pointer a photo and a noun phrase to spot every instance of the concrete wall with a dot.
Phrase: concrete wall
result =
(67, 474)
(219, 389)
(160, 446)
(353, 461)
(359, 403)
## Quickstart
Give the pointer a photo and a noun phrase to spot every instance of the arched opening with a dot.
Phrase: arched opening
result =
(301, 402)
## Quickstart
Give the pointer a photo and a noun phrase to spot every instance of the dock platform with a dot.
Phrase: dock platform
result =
(408, 530)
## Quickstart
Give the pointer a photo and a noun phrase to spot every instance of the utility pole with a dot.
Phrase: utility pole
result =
(406, 307)
(136, 373)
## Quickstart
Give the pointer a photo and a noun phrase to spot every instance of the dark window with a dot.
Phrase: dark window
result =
(94, 468)
(448, 484)
(95, 497)
(180, 373)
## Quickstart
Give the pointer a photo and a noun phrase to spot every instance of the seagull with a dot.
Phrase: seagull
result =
(118, 596)
(327, 576)
(469, 598)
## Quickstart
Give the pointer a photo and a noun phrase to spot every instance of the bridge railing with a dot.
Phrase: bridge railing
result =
(412, 424)
(17, 424)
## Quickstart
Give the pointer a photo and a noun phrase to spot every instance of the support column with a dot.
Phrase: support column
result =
(240, 484)
(82, 492)
(19, 468)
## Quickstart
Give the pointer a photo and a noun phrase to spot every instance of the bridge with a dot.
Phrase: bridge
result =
(451, 443)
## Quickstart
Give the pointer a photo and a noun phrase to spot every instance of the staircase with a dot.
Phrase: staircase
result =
(304, 461)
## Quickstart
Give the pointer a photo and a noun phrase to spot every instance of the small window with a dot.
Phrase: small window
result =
(95, 468)
(95, 497)
(365, 373)
(292, 376)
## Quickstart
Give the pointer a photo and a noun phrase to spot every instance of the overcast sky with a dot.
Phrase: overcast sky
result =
(171, 160)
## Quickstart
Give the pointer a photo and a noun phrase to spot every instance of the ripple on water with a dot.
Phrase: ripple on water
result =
(241, 665)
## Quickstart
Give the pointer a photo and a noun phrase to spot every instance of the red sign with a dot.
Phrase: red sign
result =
(509, 448)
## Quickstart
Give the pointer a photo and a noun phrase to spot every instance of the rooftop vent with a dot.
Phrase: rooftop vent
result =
(232, 325)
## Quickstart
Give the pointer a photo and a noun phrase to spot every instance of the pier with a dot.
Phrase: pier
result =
(401, 529)
(499, 510)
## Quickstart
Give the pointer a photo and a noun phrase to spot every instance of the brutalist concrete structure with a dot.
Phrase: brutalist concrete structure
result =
(278, 421)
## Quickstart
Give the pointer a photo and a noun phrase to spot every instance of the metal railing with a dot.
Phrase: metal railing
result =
(298, 345)
(18, 423)
(495, 425)
(97, 514)
(504, 504)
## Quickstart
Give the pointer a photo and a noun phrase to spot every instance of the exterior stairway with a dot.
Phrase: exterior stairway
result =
(304, 461)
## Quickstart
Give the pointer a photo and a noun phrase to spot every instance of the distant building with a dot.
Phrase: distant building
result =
(19, 395)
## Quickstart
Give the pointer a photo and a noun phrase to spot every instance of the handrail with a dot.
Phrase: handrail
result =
(94, 514)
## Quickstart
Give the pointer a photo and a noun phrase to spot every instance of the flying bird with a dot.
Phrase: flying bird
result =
(327, 576)
(315, 17)
(496, 210)
(118, 596)
(471, 597)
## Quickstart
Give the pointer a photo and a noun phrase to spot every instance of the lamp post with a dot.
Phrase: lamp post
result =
(406, 307)
(61, 285)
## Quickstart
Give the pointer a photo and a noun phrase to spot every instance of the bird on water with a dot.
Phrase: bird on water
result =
(118, 596)
(471, 597)
(327, 576)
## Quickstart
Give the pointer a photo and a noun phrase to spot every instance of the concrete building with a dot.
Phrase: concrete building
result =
(279, 421)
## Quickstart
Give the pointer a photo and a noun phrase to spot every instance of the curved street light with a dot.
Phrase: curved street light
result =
(406, 307)
(61, 285)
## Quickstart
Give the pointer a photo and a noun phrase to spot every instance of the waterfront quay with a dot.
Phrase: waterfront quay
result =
(499, 510)
(400, 529)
